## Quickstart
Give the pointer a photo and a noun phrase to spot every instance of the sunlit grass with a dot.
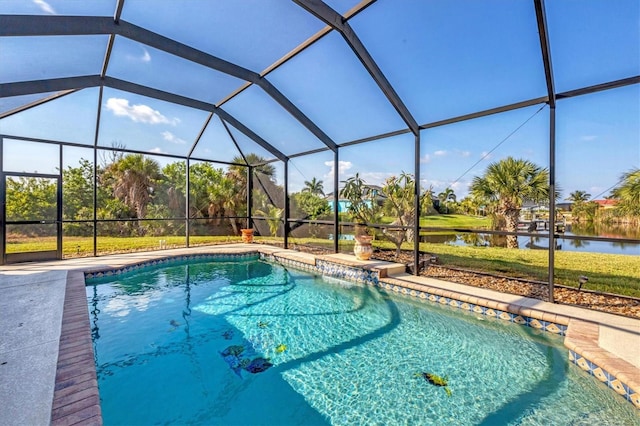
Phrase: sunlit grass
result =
(612, 273)
(83, 246)
(450, 221)
(455, 221)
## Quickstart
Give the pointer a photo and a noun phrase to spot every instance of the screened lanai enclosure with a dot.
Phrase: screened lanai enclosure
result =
(496, 135)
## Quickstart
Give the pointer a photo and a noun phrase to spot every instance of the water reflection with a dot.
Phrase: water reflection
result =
(604, 230)
(539, 242)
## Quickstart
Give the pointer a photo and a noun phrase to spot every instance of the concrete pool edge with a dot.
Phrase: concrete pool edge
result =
(76, 399)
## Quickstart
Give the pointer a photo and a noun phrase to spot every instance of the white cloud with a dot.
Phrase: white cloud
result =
(44, 6)
(428, 157)
(588, 138)
(146, 57)
(485, 155)
(456, 186)
(465, 153)
(157, 150)
(376, 178)
(343, 166)
(168, 136)
(143, 57)
(138, 113)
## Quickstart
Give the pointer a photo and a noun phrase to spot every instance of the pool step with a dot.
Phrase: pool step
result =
(386, 269)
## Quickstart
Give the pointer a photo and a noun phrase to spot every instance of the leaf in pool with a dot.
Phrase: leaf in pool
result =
(174, 325)
(281, 348)
(258, 365)
(234, 350)
(228, 335)
(263, 324)
(436, 380)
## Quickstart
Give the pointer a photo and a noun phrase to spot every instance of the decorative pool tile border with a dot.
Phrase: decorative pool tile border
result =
(291, 263)
(350, 273)
(539, 324)
(605, 377)
(167, 261)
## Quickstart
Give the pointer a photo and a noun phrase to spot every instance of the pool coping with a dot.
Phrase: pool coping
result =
(76, 396)
(76, 399)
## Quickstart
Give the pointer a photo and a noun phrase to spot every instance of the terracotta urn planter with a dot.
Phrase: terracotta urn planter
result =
(247, 235)
(362, 249)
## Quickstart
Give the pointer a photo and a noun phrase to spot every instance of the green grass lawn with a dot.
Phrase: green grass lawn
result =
(83, 246)
(455, 221)
(613, 273)
(450, 221)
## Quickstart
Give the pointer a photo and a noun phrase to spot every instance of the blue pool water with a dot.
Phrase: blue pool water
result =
(178, 344)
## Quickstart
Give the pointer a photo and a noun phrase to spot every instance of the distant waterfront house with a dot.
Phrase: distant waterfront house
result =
(606, 204)
(344, 204)
(564, 206)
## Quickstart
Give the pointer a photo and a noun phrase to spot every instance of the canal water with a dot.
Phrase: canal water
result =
(542, 242)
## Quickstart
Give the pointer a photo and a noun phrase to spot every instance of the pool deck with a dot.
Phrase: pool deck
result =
(47, 373)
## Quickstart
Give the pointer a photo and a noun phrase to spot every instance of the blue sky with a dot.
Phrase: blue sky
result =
(444, 59)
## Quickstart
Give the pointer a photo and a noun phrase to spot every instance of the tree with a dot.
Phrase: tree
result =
(507, 183)
(362, 199)
(171, 194)
(446, 197)
(273, 216)
(226, 190)
(31, 198)
(426, 202)
(260, 165)
(204, 201)
(263, 180)
(400, 196)
(77, 191)
(578, 196)
(314, 187)
(469, 206)
(584, 211)
(628, 194)
(312, 206)
(133, 180)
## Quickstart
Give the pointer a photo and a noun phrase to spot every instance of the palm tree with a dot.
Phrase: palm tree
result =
(507, 183)
(223, 197)
(260, 172)
(273, 216)
(628, 193)
(314, 187)
(251, 159)
(134, 177)
(448, 195)
(578, 196)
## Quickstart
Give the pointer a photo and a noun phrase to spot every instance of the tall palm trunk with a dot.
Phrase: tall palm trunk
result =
(511, 216)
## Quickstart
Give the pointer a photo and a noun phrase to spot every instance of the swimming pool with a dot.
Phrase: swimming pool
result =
(252, 342)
